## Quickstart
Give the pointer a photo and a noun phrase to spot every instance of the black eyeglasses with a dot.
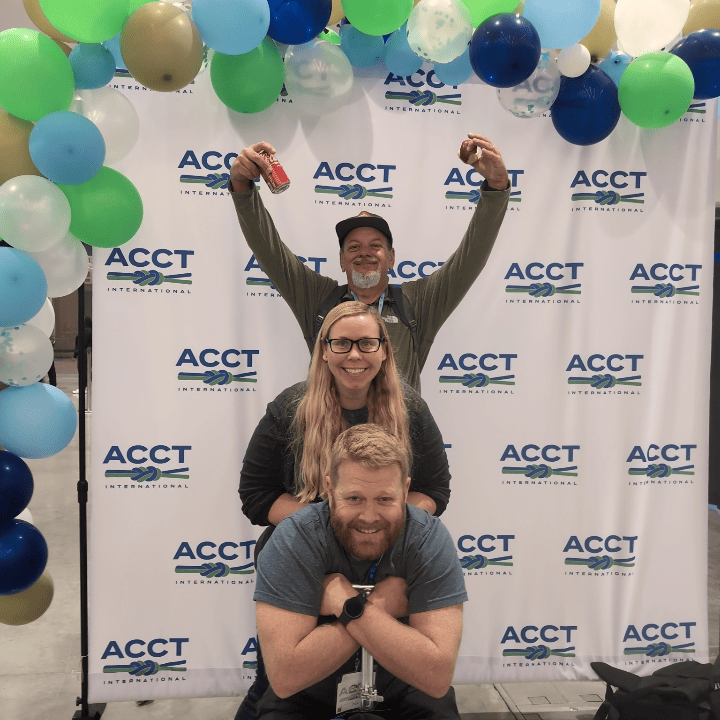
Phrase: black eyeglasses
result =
(344, 346)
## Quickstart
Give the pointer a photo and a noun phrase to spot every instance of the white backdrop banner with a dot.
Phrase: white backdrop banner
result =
(571, 385)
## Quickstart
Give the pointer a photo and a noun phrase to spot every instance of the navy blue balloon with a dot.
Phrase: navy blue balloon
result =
(23, 556)
(295, 22)
(701, 51)
(586, 109)
(505, 50)
(16, 486)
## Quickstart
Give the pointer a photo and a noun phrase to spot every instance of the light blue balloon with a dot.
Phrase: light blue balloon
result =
(455, 72)
(93, 65)
(362, 50)
(562, 23)
(614, 65)
(113, 45)
(232, 27)
(23, 288)
(36, 421)
(399, 58)
(67, 148)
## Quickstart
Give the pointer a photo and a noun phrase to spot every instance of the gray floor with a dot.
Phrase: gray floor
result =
(40, 662)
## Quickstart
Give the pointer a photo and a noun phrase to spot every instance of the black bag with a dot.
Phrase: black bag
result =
(679, 691)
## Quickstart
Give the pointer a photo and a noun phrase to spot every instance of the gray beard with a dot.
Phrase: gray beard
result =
(365, 281)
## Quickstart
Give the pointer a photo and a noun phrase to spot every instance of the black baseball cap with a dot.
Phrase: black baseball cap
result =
(372, 221)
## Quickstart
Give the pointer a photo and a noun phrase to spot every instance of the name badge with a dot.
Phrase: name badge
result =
(348, 692)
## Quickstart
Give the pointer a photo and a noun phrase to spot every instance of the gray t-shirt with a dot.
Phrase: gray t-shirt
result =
(304, 549)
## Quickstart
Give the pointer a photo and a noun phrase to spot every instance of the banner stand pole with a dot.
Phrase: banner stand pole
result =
(87, 711)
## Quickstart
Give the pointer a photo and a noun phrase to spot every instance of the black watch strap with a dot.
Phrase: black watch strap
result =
(353, 608)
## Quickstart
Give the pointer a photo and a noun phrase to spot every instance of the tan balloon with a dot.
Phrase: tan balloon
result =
(162, 47)
(27, 606)
(603, 36)
(14, 151)
(337, 13)
(704, 14)
(35, 13)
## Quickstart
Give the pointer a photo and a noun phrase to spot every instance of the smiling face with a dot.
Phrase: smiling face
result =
(354, 371)
(366, 258)
(367, 507)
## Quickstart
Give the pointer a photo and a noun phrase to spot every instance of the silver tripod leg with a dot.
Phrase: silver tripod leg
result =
(368, 695)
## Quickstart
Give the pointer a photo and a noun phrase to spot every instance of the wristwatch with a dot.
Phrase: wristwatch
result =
(353, 608)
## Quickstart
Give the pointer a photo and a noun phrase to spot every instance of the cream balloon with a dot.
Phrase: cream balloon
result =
(45, 319)
(337, 13)
(573, 61)
(602, 37)
(65, 266)
(115, 117)
(703, 15)
(648, 25)
(27, 606)
(14, 147)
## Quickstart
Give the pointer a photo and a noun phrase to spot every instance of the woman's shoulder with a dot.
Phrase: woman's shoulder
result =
(413, 400)
(289, 398)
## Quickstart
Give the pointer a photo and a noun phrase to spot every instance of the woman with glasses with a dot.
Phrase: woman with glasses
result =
(352, 379)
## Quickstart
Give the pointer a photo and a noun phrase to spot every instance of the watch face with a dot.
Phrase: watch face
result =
(354, 607)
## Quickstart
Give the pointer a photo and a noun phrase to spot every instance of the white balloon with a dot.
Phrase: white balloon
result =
(26, 355)
(648, 25)
(573, 61)
(34, 213)
(65, 266)
(115, 117)
(439, 30)
(318, 75)
(45, 319)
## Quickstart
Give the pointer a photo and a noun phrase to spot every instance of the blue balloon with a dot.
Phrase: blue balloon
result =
(562, 23)
(586, 109)
(615, 64)
(23, 556)
(36, 421)
(93, 65)
(113, 45)
(232, 27)
(701, 51)
(504, 50)
(67, 148)
(299, 21)
(23, 287)
(399, 58)
(16, 486)
(456, 72)
(361, 50)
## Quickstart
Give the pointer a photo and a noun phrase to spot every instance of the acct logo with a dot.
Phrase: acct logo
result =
(658, 640)
(485, 554)
(421, 92)
(603, 190)
(147, 467)
(154, 268)
(210, 563)
(496, 376)
(465, 185)
(625, 368)
(596, 554)
(256, 278)
(251, 647)
(224, 369)
(694, 113)
(349, 182)
(542, 282)
(536, 464)
(209, 171)
(142, 661)
(661, 283)
(652, 465)
(538, 644)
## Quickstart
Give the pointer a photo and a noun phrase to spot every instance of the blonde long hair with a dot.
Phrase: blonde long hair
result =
(319, 420)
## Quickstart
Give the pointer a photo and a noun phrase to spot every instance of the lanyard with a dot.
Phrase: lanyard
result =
(373, 571)
(381, 300)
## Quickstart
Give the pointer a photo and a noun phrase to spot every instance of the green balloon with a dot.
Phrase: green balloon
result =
(250, 82)
(377, 17)
(330, 36)
(481, 10)
(106, 211)
(656, 89)
(35, 76)
(87, 21)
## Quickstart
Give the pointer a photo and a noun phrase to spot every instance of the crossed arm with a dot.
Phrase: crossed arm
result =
(299, 653)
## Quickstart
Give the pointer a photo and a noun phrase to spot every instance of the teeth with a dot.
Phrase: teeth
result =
(367, 532)
(354, 371)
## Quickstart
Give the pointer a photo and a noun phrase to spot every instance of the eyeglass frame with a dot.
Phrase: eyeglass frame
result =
(330, 341)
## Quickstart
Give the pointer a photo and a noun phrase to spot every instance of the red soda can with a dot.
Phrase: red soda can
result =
(275, 178)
